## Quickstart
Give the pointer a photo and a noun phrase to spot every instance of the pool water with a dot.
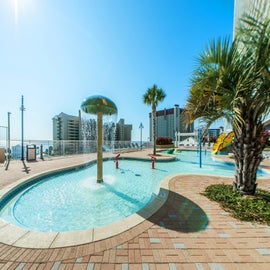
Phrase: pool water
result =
(74, 201)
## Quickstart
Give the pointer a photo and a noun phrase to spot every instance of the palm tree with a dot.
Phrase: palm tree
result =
(152, 97)
(232, 80)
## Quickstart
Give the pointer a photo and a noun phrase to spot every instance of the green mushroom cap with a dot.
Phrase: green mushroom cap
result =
(97, 103)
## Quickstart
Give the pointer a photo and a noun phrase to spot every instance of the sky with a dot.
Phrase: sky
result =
(58, 52)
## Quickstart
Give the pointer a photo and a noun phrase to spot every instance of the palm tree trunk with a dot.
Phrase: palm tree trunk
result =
(247, 148)
(154, 129)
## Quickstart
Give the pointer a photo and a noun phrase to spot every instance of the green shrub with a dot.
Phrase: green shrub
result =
(246, 208)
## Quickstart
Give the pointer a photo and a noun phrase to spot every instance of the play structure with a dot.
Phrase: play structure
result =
(224, 140)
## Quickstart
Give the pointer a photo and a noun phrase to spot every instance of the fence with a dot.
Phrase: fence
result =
(3, 143)
(3, 137)
(61, 147)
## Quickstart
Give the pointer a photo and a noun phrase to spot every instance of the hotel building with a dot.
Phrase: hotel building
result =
(169, 121)
(69, 128)
(123, 131)
(241, 6)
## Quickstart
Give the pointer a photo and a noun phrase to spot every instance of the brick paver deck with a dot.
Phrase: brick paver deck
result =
(188, 232)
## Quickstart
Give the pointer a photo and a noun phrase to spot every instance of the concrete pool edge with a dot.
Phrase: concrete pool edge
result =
(6, 191)
(23, 238)
(18, 237)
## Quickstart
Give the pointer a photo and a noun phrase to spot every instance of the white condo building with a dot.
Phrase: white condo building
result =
(242, 6)
(72, 128)
(66, 127)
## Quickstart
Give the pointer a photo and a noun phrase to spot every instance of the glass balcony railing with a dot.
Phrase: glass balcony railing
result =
(44, 148)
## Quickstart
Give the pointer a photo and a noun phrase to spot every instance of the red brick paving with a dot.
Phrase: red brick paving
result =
(188, 232)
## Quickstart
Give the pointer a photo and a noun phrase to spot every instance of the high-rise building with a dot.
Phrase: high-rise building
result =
(168, 122)
(123, 131)
(242, 6)
(111, 132)
(70, 128)
(66, 127)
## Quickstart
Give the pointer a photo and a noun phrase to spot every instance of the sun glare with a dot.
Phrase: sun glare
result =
(15, 2)
(21, 6)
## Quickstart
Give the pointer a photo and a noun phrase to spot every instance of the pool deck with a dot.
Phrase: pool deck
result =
(184, 231)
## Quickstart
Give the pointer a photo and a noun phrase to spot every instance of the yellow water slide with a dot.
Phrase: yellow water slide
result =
(223, 140)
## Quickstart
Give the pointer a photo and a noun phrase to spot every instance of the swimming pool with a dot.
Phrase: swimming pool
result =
(73, 200)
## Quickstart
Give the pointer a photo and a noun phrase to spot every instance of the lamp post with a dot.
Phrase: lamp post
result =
(141, 127)
(8, 135)
(22, 108)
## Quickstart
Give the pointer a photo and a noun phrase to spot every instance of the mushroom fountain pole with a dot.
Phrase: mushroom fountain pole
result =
(99, 148)
(100, 106)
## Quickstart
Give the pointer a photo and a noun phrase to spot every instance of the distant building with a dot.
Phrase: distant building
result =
(242, 6)
(111, 132)
(67, 127)
(123, 131)
(169, 121)
(214, 132)
(72, 128)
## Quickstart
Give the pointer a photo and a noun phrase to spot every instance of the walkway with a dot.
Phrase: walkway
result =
(187, 232)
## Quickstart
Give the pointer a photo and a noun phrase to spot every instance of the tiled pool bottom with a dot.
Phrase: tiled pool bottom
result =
(160, 243)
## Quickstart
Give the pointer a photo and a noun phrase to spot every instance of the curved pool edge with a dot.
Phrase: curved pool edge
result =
(18, 237)
(23, 238)
(25, 180)
(6, 190)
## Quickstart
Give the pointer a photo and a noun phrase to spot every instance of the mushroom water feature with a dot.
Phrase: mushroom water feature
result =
(100, 106)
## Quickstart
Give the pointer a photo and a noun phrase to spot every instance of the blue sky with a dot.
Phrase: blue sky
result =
(57, 52)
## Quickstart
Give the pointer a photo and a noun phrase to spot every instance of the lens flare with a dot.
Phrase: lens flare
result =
(16, 12)
(23, 8)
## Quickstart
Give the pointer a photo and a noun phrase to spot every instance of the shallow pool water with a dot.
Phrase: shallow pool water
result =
(74, 201)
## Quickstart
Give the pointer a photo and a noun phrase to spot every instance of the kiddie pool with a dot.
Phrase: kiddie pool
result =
(71, 200)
